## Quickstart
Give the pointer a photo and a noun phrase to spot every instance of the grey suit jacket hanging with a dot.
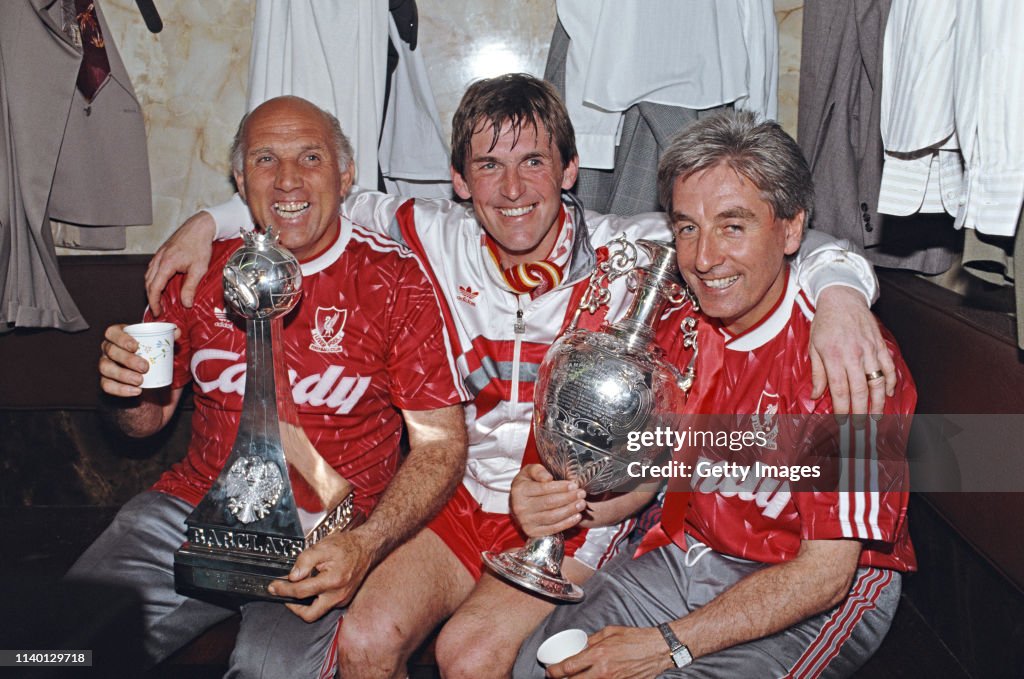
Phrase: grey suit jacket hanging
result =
(61, 157)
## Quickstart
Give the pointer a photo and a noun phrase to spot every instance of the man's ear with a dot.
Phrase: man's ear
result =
(794, 231)
(240, 185)
(570, 173)
(347, 178)
(460, 184)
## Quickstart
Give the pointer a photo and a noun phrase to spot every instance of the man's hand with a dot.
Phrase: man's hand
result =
(341, 562)
(543, 506)
(187, 251)
(121, 371)
(618, 653)
(846, 347)
(121, 374)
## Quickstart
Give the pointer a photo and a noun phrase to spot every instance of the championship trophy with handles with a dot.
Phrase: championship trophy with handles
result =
(593, 389)
(248, 529)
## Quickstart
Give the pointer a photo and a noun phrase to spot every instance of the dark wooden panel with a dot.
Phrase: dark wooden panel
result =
(52, 369)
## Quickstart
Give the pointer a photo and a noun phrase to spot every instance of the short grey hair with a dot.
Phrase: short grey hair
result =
(760, 151)
(342, 146)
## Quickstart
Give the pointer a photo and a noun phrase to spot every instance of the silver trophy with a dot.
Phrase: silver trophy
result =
(248, 529)
(593, 389)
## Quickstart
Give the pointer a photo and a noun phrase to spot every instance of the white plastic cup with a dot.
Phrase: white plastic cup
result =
(558, 647)
(156, 345)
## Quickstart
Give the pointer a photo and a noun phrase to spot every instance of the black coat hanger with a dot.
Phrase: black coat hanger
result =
(150, 15)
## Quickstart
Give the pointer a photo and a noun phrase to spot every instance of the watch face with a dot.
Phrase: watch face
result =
(680, 654)
(682, 657)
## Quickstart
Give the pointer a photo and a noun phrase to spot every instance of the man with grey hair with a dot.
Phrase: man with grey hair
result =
(366, 350)
(750, 573)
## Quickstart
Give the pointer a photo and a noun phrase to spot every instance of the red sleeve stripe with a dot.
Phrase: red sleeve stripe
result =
(379, 242)
(406, 218)
(839, 627)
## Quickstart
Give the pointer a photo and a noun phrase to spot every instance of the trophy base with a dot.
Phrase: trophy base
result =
(514, 567)
(239, 564)
(200, 571)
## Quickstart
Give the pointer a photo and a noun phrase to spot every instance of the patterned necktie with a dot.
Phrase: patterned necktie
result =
(95, 68)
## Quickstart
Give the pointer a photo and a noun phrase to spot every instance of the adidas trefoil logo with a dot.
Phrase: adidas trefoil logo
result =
(468, 295)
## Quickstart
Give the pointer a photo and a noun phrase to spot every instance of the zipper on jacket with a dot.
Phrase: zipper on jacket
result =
(520, 330)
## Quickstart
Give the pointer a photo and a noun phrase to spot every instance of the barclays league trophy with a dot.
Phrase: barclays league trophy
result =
(248, 529)
(593, 389)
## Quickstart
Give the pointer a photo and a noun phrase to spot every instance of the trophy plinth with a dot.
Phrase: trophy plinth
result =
(593, 389)
(537, 566)
(248, 529)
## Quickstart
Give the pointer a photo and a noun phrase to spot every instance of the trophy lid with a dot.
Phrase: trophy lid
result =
(261, 278)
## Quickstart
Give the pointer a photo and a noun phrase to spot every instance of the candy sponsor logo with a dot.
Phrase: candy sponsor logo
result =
(330, 388)
(770, 494)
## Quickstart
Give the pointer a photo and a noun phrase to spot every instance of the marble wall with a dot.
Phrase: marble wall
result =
(191, 80)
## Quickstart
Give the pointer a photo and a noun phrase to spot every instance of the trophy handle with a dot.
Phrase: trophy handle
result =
(688, 327)
(621, 260)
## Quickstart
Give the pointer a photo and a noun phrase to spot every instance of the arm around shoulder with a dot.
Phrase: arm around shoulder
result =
(825, 261)
(846, 343)
(190, 248)
(372, 209)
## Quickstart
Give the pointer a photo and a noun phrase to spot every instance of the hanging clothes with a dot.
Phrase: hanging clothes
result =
(693, 54)
(953, 99)
(413, 155)
(633, 74)
(335, 55)
(989, 109)
(839, 120)
(992, 146)
(922, 171)
(994, 259)
(952, 105)
(64, 155)
(332, 53)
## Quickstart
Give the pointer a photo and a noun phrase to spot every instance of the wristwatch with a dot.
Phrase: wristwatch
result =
(681, 656)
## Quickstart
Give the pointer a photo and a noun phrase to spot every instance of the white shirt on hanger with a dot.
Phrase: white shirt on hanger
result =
(922, 169)
(694, 54)
(413, 154)
(990, 113)
(332, 53)
(952, 106)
